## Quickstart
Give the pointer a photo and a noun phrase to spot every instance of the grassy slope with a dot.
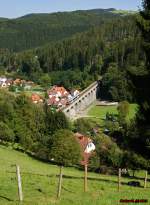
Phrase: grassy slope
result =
(100, 111)
(41, 190)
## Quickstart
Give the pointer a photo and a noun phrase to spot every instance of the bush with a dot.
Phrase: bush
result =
(64, 148)
(107, 153)
(6, 134)
(123, 111)
(83, 126)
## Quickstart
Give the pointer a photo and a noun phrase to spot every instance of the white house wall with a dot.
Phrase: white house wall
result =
(90, 147)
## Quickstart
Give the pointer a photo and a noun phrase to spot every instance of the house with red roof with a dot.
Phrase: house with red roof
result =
(36, 98)
(53, 101)
(5, 82)
(17, 81)
(87, 147)
(57, 91)
(58, 96)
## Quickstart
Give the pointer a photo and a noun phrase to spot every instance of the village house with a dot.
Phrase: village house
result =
(36, 98)
(87, 147)
(60, 97)
(9, 82)
(5, 82)
(17, 81)
(28, 85)
(63, 102)
(74, 93)
(53, 101)
(23, 83)
(57, 92)
(3, 79)
(57, 102)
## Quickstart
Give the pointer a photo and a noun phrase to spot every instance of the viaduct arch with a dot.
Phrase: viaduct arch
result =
(85, 99)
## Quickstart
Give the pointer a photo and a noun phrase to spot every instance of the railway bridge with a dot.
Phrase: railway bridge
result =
(84, 100)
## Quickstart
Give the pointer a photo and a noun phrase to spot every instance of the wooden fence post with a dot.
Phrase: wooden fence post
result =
(119, 179)
(19, 183)
(60, 182)
(145, 180)
(85, 177)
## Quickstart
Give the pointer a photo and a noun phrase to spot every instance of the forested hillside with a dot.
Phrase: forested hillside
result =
(109, 50)
(35, 30)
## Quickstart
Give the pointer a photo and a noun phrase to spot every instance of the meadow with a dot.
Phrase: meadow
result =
(40, 181)
(98, 113)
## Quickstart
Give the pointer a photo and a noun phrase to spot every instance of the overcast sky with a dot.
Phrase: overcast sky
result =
(16, 8)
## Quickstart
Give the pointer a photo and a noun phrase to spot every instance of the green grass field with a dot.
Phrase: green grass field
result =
(39, 183)
(98, 113)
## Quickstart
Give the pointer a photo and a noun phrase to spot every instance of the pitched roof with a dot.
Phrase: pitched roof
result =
(53, 101)
(36, 98)
(83, 141)
(17, 81)
(63, 101)
(56, 89)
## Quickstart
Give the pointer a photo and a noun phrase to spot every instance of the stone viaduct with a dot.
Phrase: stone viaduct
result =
(85, 99)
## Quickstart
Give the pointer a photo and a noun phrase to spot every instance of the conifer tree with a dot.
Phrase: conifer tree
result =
(141, 81)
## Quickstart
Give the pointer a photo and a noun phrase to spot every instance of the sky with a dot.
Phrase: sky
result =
(17, 8)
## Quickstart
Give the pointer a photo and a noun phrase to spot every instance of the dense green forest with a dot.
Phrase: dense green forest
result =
(140, 77)
(35, 30)
(109, 50)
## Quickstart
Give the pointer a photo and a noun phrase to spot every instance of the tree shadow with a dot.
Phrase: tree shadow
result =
(6, 198)
(101, 180)
(67, 190)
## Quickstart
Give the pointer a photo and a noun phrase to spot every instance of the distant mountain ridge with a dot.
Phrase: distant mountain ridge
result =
(3, 19)
(33, 30)
(99, 10)
(91, 10)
